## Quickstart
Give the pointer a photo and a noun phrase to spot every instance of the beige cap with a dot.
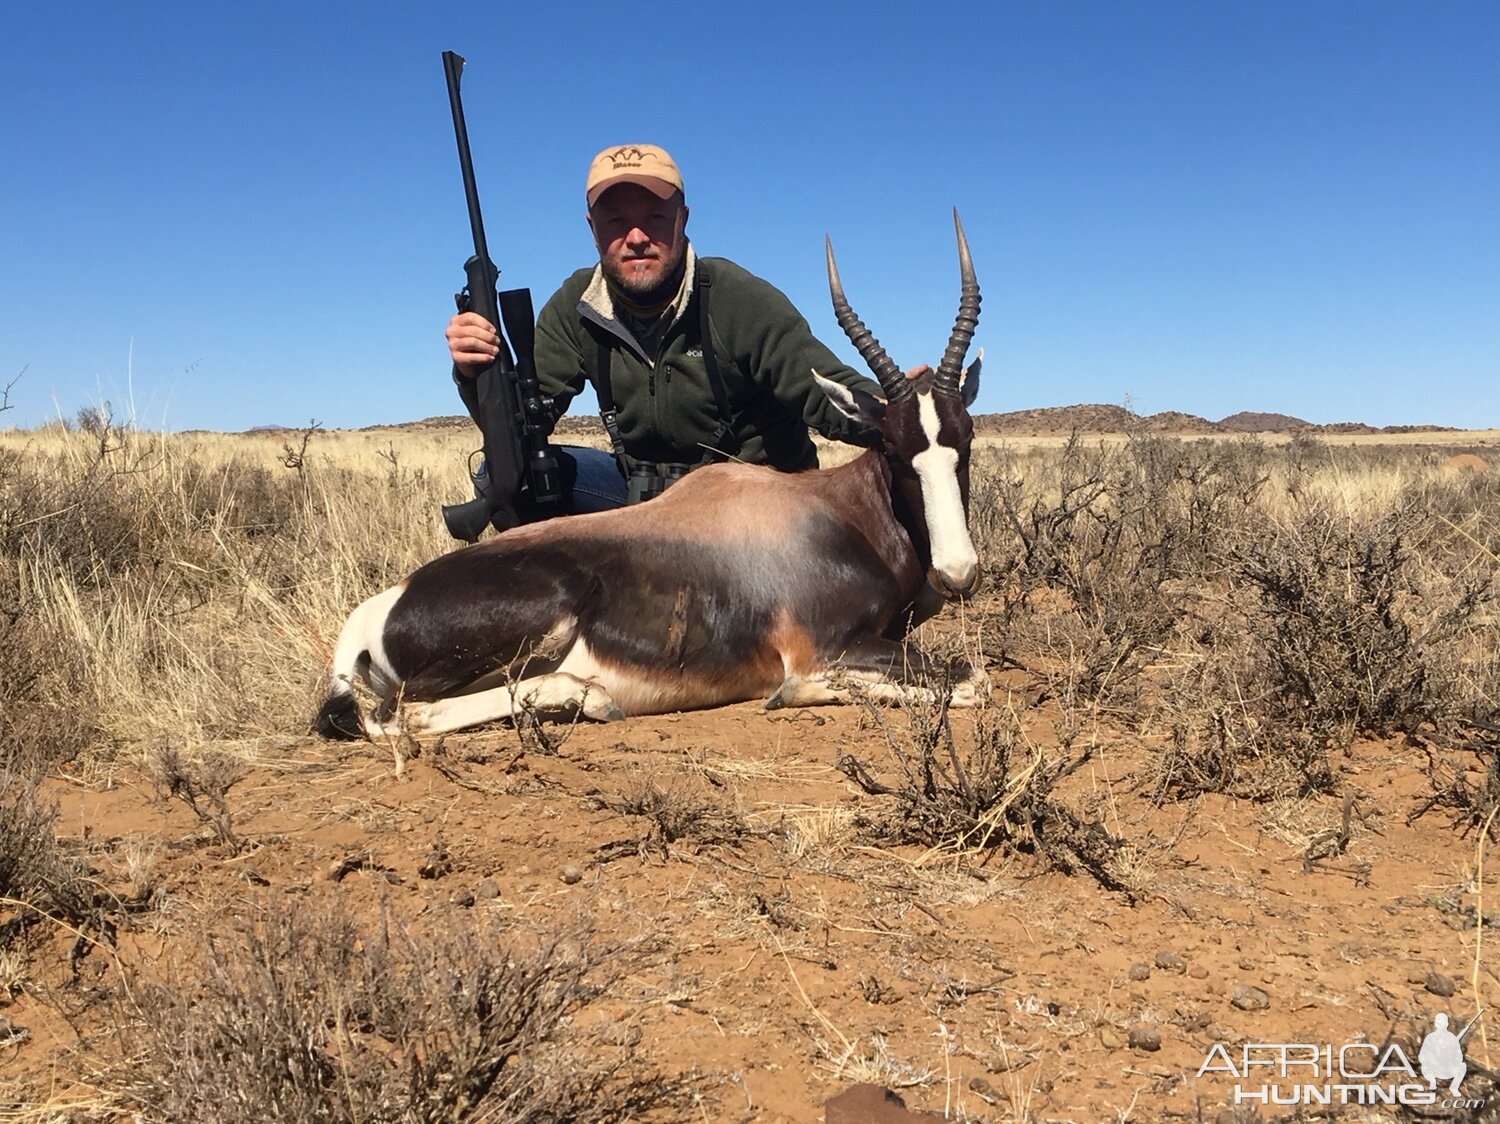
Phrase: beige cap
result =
(644, 164)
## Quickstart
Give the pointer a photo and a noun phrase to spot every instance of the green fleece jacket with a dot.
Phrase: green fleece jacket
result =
(667, 411)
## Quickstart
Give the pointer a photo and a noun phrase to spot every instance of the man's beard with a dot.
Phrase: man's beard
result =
(640, 291)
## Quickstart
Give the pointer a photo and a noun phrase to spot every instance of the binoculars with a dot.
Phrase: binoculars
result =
(647, 481)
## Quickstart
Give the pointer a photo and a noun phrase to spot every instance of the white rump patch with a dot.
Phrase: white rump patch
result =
(364, 632)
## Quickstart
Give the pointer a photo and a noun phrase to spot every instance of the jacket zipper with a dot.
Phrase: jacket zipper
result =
(655, 405)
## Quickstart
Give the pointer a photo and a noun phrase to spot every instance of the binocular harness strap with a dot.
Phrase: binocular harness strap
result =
(609, 412)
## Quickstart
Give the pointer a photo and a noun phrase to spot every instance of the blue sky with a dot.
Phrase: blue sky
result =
(249, 214)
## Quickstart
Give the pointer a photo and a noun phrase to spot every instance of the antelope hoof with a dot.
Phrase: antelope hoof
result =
(600, 707)
(797, 691)
(970, 692)
(608, 712)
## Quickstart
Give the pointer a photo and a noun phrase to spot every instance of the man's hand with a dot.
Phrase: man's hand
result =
(472, 342)
(918, 371)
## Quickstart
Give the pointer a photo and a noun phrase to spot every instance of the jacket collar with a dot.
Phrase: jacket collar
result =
(597, 305)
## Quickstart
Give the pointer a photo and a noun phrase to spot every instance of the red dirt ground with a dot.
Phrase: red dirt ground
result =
(801, 958)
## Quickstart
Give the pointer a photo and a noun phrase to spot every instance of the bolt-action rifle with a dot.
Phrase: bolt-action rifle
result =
(505, 400)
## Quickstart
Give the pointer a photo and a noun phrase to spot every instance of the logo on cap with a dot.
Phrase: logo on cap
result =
(643, 164)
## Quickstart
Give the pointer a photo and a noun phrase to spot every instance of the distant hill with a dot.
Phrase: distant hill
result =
(1049, 421)
(1117, 419)
(1090, 419)
(1247, 421)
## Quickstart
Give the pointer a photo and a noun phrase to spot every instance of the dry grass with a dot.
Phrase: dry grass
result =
(188, 588)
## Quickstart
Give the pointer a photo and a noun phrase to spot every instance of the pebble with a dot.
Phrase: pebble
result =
(1145, 1038)
(986, 1090)
(1140, 972)
(1109, 1038)
(463, 898)
(1192, 1020)
(1010, 1061)
(571, 875)
(1250, 999)
(488, 889)
(1439, 984)
(1170, 962)
(1198, 972)
(436, 865)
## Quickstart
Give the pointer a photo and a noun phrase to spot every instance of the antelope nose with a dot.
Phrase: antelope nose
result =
(959, 587)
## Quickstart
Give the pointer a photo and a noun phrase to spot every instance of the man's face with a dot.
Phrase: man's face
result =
(640, 237)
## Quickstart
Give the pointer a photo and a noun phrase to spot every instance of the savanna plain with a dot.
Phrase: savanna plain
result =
(1237, 782)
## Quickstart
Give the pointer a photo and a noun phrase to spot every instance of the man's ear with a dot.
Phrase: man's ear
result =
(856, 405)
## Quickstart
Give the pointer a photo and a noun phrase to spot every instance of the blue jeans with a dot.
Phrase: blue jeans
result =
(591, 481)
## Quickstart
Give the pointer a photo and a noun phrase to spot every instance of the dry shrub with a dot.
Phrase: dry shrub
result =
(43, 722)
(1333, 626)
(981, 792)
(1465, 778)
(674, 814)
(1464, 510)
(312, 1016)
(1102, 543)
(1225, 734)
(202, 783)
(1345, 621)
(39, 877)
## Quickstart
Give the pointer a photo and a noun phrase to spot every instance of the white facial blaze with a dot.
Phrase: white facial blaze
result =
(953, 554)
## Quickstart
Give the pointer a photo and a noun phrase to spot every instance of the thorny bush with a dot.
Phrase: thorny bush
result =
(40, 877)
(1087, 560)
(1345, 621)
(979, 792)
(311, 1016)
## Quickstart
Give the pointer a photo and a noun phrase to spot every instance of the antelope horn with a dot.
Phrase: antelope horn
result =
(892, 381)
(946, 379)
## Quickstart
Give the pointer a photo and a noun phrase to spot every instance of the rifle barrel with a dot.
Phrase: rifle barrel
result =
(1470, 1025)
(453, 68)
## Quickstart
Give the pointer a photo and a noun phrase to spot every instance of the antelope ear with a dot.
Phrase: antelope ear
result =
(968, 381)
(856, 405)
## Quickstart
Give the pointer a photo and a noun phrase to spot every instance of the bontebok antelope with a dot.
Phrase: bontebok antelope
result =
(737, 583)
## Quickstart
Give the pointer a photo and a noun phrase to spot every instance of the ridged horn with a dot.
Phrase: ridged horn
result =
(946, 379)
(892, 381)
